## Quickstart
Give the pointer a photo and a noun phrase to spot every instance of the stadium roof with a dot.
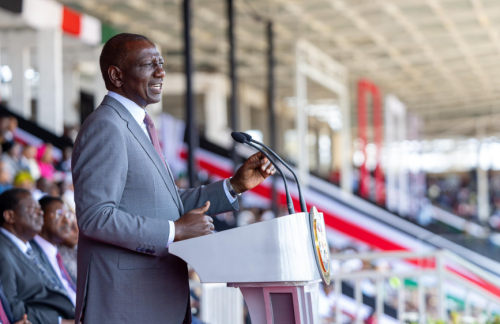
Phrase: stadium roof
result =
(440, 57)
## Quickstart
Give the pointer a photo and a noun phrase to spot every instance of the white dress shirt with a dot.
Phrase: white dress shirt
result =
(139, 114)
(51, 253)
(24, 247)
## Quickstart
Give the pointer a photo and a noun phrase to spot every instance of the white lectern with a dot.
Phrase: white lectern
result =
(277, 264)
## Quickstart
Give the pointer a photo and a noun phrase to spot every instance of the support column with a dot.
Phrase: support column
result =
(245, 115)
(233, 106)
(346, 167)
(191, 125)
(442, 307)
(272, 109)
(19, 61)
(302, 121)
(71, 95)
(483, 204)
(216, 129)
(50, 102)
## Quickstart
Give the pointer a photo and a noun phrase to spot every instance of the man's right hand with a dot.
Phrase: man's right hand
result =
(67, 321)
(194, 223)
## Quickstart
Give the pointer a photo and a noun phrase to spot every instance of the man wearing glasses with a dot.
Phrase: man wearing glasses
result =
(56, 228)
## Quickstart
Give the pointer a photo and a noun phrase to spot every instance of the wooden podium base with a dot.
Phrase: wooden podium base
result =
(281, 302)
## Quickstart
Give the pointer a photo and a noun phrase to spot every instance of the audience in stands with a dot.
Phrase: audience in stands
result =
(56, 245)
(6, 177)
(8, 126)
(457, 193)
(28, 161)
(68, 192)
(56, 229)
(30, 287)
(46, 161)
(11, 129)
(33, 167)
(11, 156)
(43, 188)
(65, 164)
(24, 180)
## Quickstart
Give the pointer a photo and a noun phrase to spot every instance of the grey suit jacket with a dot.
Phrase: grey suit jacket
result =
(26, 290)
(124, 199)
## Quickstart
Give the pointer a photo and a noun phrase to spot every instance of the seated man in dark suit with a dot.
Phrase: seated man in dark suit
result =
(29, 287)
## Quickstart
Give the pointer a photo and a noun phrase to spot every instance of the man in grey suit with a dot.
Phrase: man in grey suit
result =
(127, 205)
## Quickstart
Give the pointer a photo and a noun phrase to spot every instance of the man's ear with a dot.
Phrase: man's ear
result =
(8, 216)
(115, 76)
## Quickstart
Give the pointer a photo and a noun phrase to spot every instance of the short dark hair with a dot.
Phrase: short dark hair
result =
(9, 199)
(47, 200)
(115, 51)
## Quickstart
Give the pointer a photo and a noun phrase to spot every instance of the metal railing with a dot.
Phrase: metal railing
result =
(442, 269)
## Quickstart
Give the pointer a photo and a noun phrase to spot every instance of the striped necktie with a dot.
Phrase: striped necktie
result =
(50, 280)
(156, 143)
(154, 137)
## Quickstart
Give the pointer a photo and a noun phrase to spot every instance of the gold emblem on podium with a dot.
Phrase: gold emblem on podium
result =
(320, 244)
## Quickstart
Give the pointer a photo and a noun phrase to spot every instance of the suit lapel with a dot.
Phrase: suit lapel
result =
(146, 144)
(20, 255)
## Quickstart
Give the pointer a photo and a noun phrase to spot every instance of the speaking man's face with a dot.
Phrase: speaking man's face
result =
(143, 73)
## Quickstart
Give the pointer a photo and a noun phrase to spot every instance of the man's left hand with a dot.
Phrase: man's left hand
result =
(256, 169)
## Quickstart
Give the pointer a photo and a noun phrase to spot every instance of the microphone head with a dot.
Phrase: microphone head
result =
(247, 136)
(238, 137)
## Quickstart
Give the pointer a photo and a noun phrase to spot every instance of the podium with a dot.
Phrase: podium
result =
(277, 264)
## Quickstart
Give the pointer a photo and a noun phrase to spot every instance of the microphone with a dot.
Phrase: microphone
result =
(240, 138)
(303, 205)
